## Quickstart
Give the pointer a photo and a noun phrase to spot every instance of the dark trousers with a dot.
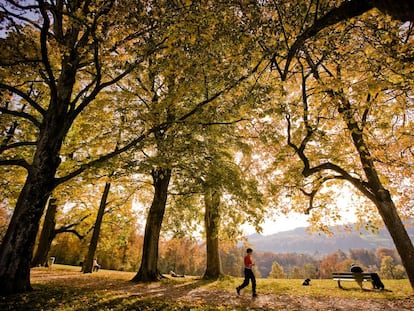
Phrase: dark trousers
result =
(249, 275)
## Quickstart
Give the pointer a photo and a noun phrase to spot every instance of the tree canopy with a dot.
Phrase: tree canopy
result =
(254, 104)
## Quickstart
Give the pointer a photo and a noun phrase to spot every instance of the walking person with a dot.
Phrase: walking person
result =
(248, 273)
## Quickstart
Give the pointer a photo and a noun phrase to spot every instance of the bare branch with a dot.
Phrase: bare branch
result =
(21, 115)
(26, 97)
(44, 49)
(346, 10)
(16, 162)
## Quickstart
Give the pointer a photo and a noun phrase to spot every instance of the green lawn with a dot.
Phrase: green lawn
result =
(400, 289)
(66, 288)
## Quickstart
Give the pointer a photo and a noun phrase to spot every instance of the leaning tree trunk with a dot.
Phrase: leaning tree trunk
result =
(88, 263)
(399, 234)
(46, 236)
(212, 227)
(379, 195)
(148, 271)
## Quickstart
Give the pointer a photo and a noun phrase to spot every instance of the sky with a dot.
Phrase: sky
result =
(296, 220)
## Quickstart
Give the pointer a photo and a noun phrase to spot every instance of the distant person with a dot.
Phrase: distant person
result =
(358, 270)
(95, 266)
(175, 275)
(248, 273)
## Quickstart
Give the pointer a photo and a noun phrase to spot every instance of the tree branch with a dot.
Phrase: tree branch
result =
(27, 98)
(21, 115)
(159, 128)
(16, 162)
(348, 9)
(44, 49)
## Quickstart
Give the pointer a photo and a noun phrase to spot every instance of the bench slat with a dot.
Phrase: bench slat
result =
(351, 276)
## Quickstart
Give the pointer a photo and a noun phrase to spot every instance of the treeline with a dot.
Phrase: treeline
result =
(188, 256)
(384, 261)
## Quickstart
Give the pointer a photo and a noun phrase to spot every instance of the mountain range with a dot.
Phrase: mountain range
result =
(300, 240)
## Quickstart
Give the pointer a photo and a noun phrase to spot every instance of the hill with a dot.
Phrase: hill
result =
(300, 240)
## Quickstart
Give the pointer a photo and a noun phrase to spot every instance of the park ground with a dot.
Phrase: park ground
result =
(66, 288)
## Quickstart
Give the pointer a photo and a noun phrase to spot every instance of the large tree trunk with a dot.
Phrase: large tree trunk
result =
(148, 271)
(212, 227)
(397, 231)
(46, 236)
(16, 250)
(88, 263)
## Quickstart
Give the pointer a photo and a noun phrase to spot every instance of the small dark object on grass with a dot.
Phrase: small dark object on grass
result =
(306, 282)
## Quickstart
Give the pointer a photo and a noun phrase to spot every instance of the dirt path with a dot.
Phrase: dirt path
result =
(284, 302)
(191, 293)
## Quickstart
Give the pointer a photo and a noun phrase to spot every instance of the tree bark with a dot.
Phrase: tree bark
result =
(88, 263)
(148, 271)
(378, 194)
(46, 236)
(16, 250)
(399, 234)
(212, 227)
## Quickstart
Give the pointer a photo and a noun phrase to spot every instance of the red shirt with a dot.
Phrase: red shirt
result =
(248, 263)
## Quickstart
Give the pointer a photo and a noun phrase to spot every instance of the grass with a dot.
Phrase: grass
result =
(65, 288)
(321, 288)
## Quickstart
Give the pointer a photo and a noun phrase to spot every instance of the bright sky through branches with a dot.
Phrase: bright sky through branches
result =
(296, 220)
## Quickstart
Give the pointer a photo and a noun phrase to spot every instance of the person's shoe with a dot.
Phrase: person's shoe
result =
(238, 291)
(254, 295)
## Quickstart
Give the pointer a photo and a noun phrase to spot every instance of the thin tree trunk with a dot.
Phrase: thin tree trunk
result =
(46, 236)
(88, 263)
(148, 271)
(212, 227)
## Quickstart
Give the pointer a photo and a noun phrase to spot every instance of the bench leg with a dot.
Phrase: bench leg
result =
(339, 284)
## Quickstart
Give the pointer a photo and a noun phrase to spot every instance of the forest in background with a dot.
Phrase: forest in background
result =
(300, 240)
(188, 257)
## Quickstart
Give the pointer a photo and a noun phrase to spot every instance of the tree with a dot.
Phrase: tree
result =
(212, 198)
(277, 271)
(49, 232)
(197, 78)
(387, 267)
(230, 258)
(88, 263)
(67, 42)
(329, 264)
(296, 272)
(148, 271)
(311, 270)
(46, 236)
(360, 120)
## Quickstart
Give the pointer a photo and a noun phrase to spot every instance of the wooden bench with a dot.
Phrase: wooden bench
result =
(351, 276)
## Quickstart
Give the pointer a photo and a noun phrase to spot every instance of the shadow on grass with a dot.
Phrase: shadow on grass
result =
(94, 294)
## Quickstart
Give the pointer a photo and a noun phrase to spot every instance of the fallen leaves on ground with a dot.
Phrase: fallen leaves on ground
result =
(57, 290)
